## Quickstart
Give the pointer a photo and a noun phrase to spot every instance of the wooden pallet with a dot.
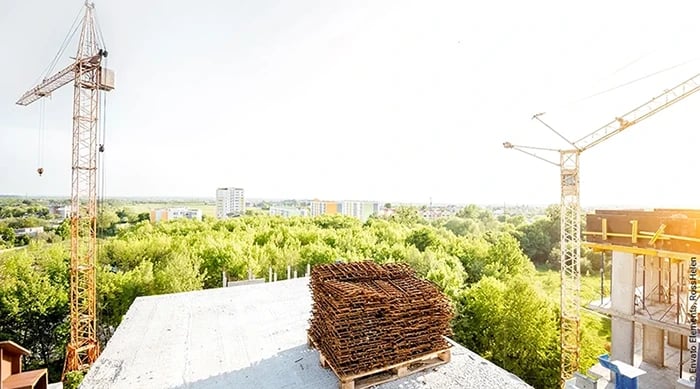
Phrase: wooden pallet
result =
(386, 373)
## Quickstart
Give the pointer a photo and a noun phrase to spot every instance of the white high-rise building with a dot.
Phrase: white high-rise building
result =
(229, 202)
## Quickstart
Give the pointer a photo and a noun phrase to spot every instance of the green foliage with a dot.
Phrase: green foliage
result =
(505, 258)
(7, 236)
(536, 241)
(473, 258)
(15, 208)
(34, 302)
(407, 215)
(422, 238)
(495, 319)
(73, 380)
(63, 229)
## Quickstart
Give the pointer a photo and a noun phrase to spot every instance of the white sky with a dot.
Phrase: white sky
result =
(383, 100)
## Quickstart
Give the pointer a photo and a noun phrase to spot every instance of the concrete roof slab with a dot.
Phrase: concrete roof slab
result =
(251, 336)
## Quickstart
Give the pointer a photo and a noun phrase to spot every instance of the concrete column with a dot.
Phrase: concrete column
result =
(653, 348)
(674, 340)
(622, 300)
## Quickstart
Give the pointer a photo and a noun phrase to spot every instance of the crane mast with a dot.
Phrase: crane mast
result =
(90, 78)
(570, 211)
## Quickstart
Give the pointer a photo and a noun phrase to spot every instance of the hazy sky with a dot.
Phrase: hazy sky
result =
(383, 100)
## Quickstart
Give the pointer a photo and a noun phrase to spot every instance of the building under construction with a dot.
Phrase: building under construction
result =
(653, 290)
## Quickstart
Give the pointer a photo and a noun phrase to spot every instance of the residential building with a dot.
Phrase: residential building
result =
(359, 209)
(288, 211)
(319, 207)
(165, 214)
(31, 231)
(62, 211)
(229, 202)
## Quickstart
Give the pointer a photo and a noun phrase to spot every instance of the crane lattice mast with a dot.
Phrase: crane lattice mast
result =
(90, 78)
(570, 210)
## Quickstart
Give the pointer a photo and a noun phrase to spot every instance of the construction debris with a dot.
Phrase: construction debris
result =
(367, 317)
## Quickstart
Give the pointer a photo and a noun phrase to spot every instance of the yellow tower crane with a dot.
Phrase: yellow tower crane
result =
(90, 78)
(570, 209)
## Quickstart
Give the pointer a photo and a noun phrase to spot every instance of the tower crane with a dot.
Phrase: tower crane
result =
(570, 209)
(90, 78)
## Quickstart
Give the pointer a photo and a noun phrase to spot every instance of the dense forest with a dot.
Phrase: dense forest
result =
(492, 269)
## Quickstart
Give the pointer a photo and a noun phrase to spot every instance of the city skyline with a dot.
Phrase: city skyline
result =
(398, 102)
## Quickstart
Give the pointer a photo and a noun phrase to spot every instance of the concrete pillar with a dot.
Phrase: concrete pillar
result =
(289, 272)
(269, 278)
(622, 301)
(653, 348)
(295, 273)
(308, 269)
(674, 340)
(223, 278)
(274, 276)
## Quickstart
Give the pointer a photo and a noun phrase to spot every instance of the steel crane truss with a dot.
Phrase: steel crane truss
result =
(570, 208)
(89, 79)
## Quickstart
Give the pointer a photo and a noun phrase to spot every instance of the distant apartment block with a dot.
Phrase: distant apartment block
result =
(319, 207)
(229, 202)
(166, 214)
(62, 212)
(288, 211)
(361, 210)
(30, 231)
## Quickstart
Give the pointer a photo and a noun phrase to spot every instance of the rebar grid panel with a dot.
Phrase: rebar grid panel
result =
(366, 316)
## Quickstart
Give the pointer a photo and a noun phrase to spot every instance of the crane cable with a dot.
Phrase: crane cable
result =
(42, 137)
(102, 130)
(102, 125)
(570, 103)
(42, 105)
(638, 79)
(66, 41)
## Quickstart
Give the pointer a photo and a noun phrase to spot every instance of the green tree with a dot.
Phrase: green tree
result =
(406, 215)
(34, 303)
(63, 229)
(535, 240)
(422, 238)
(7, 236)
(495, 319)
(506, 259)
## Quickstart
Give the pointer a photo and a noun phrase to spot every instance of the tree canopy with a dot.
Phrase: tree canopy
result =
(481, 263)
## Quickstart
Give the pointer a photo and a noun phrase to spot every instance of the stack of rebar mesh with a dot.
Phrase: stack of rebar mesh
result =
(367, 316)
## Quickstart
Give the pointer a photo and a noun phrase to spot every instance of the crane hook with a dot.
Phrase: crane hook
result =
(40, 171)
